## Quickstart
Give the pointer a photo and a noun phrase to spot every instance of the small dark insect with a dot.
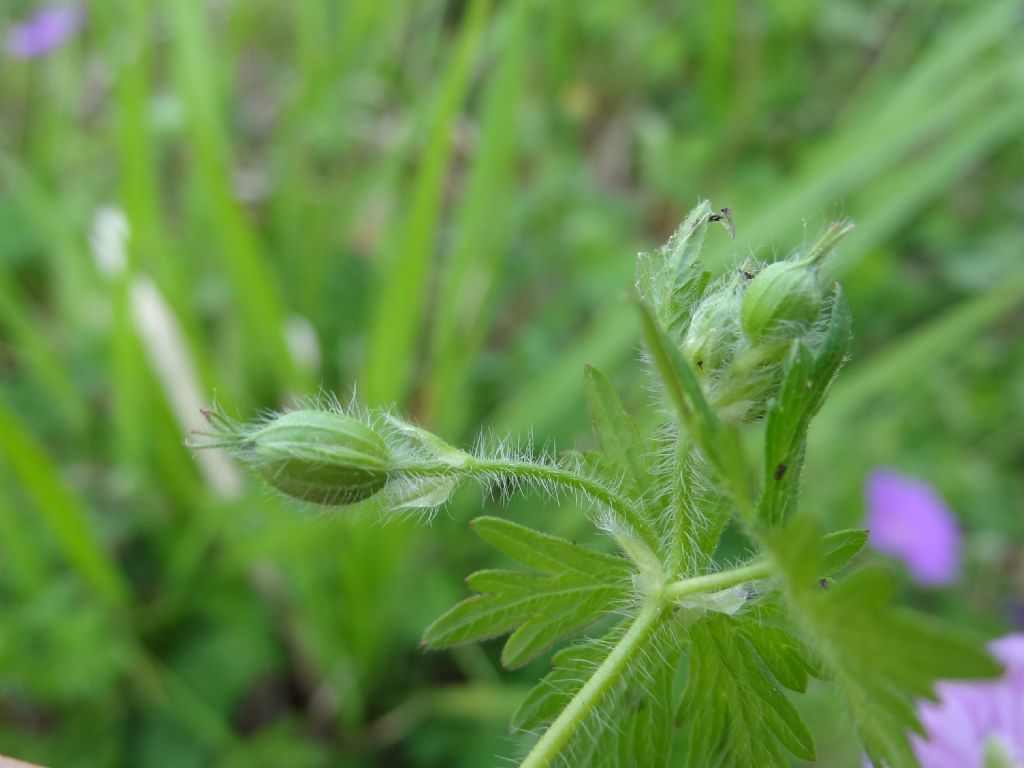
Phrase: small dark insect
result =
(823, 583)
(725, 216)
(700, 364)
(747, 275)
(780, 471)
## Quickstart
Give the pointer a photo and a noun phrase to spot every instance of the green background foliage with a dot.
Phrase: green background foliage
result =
(451, 196)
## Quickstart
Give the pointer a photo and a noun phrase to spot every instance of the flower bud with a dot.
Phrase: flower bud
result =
(711, 336)
(324, 457)
(781, 295)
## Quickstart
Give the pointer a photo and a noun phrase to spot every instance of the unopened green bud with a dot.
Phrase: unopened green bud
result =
(787, 295)
(782, 296)
(710, 339)
(324, 457)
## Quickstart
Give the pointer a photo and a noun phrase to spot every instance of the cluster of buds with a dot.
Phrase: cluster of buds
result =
(736, 334)
(742, 326)
(771, 307)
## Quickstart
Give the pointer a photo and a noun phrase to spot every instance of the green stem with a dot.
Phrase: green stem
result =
(715, 582)
(473, 466)
(546, 751)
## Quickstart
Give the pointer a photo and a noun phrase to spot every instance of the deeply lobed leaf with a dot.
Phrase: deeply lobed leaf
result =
(881, 657)
(568, 589)
(734, 705)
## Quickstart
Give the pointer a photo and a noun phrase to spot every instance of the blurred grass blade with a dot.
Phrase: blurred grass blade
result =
(886, 204)
(24, 562)
(46, 214)
(261, 307)
(39, 356)
(398, 317)
(912, 357)
(482, 231)
(550, 400)
(61, 509)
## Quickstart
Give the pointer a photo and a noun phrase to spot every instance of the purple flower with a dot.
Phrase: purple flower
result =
(908, 520)
(43, 31)
(972, 717)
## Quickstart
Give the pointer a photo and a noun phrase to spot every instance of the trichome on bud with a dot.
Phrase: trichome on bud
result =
(781, 296)
(785, 298)
(323, 457)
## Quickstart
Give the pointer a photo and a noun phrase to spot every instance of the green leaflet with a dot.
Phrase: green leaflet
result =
(769, 631)
(616, 432)
(685, 296)
(804, 385)
(734, 707)
(697, 517)
(568, 589)
(671, 280)
(840, 547)
(548, 553)
(881, 657)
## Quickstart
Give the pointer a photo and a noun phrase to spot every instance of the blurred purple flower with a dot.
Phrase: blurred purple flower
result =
(971, 717)
(908, 520)
(44, 30)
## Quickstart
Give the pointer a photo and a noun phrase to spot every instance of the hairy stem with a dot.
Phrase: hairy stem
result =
(547, 750)
(715, 582)
(472, 466)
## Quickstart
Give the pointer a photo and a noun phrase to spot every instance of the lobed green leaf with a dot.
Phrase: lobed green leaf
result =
(546, 553)
(671, 279)
(736, 711)
(569, 588)
(882, 658)
(770, 632)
